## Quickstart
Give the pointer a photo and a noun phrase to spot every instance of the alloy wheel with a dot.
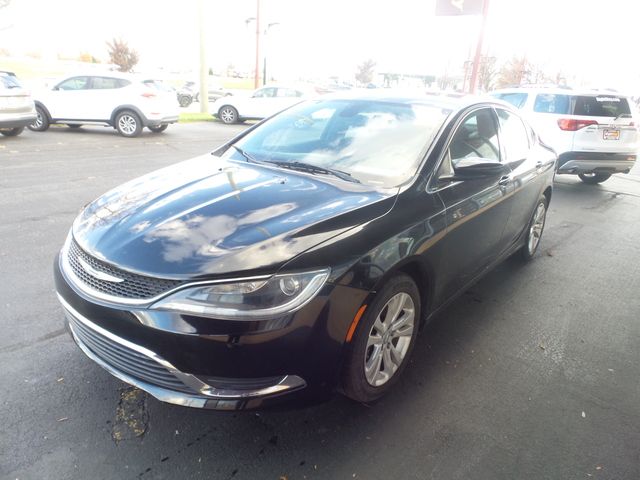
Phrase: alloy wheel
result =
(389, 339)
(127, 124)
(228, 115)
(39, 121)
(535, 231)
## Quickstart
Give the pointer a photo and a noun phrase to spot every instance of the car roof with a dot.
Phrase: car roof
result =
(559, 91)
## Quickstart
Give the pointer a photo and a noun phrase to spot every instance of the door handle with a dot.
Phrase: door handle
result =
(504, 181)
(539, 164)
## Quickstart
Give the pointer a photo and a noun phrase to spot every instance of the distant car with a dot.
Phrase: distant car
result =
(214, 90)
(263, 103)
(593, 132)
(125, 102)
(17, 109)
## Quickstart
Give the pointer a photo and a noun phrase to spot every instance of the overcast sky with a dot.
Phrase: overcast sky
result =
(594, 39)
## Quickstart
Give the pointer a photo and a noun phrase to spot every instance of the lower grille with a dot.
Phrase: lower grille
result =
(125, 359)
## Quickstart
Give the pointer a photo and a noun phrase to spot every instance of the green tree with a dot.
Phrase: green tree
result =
(121, 55)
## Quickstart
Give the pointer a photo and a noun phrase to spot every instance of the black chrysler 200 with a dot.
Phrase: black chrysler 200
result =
(302, 257)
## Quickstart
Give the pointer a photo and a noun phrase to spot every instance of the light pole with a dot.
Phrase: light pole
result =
(264, 62)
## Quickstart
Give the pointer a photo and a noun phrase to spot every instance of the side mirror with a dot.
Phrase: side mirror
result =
(476, 167)
(56, 88)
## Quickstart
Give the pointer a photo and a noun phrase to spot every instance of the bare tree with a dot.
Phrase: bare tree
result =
(364, 73)
(4, 3)
(487, 73)
(120, 54)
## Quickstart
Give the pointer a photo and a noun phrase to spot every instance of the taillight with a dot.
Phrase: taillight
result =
(572, 124)
(148, 95)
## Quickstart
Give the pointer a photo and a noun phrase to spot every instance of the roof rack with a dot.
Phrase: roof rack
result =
(542, 85)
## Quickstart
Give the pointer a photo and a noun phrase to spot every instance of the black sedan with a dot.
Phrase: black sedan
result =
(302, 257)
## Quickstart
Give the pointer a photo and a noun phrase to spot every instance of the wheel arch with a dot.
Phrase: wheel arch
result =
(547, 193)
(133, 108)
(45, 109)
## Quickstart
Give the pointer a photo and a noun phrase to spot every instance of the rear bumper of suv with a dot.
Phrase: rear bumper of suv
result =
(17, 120)
(595, 162)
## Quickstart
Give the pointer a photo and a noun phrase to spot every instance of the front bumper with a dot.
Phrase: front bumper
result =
(595, 162)
(214, 364)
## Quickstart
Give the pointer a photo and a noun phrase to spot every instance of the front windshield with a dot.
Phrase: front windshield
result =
(375, 142)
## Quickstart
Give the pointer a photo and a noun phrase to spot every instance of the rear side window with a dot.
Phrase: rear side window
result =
(552, 103)
(102, 83)
(513, 136)
(601, 106)
(8, 81)
(517, 99)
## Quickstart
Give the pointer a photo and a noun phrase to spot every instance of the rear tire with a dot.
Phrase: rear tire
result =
(73, 126)
(594, 178)
(128, 124)
(534, 230)
(185, 100)
(13, 132)
(383, 341)
(159, 128)
(41, 123)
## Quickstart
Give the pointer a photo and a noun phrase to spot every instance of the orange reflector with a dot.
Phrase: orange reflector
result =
(354, 324)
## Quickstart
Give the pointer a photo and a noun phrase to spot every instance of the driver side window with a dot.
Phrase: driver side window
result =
(477, 136)
(75, 83)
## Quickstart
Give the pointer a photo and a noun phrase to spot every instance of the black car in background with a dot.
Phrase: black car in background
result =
(302, 257)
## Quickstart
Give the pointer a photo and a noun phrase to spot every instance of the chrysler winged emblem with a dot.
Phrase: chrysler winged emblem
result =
(97, 273)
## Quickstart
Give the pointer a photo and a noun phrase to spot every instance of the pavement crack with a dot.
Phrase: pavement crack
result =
(132, 417)
(44, 338)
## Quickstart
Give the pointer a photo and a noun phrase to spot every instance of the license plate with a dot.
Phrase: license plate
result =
(611, 134)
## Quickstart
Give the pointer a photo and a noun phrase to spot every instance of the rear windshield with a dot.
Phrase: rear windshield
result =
(601, 106)
(517, 99)
(8, 81)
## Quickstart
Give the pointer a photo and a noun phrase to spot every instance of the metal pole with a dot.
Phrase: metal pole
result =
(478, 56)
(257, 67)
(204, 71)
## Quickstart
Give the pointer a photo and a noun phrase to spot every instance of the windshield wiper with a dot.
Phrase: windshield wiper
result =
(309, 168)
(248, 157)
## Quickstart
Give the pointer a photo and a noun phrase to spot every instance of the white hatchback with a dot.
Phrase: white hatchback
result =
(125, 102)
(594, 133)
(262, 103)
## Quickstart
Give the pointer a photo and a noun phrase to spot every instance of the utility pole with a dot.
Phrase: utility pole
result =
(478, 56)
(257, 66)
(204, 71)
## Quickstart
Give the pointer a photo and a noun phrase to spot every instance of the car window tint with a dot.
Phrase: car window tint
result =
(288, 92)
(75, 83)
(513, 136)
(265, 92)
(101, 83)
(477, 136)
(8, 81)
(552, 103)
(517, 99)
(601, 105)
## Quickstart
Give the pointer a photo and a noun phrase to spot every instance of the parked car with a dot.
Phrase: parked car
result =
(125, 102)
(17, 109)
(262, 103)
(303, 256)
(214, 90)
(594, 132)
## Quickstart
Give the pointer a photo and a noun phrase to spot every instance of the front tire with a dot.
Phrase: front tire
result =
(13, 132)
(228, 114)
(158, 128)
(593, 178)
(41, 123)
(383, 341)
(534, 230)
(184, 100)
(128, 124)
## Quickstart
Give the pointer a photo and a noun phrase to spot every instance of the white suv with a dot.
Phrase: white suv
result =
(593, 132)
(124, 102)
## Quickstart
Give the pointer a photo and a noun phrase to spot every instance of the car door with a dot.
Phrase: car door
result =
(260, 104)
(476, 209)
(527, 163)
(69, 98)
(287, 97)
(105, 95)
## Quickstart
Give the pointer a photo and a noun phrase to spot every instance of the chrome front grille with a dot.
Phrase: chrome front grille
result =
(132, 286)
(124, 359)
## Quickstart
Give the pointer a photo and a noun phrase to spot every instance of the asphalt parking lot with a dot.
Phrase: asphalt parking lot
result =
(534, 373)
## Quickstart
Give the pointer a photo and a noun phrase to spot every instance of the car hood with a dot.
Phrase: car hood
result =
(209, 217)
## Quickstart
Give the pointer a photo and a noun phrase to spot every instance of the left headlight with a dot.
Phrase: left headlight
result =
(250, 300)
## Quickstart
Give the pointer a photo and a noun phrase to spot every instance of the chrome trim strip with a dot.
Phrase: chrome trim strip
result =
(97, 273)
(82, 288)
(206, 396)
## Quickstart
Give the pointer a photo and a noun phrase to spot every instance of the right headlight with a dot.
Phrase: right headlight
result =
(249, 300)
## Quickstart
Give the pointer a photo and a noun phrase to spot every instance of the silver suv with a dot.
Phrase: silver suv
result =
(593, 132)
(16, 106)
